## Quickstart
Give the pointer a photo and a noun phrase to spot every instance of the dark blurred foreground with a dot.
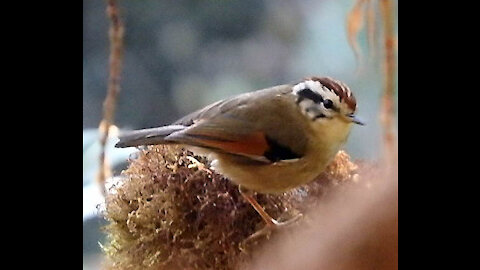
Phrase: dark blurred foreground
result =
(356, 230)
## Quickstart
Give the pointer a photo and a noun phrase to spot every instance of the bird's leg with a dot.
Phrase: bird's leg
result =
(271, 223)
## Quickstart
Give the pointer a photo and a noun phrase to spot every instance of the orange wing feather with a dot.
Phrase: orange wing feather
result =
(252, 144)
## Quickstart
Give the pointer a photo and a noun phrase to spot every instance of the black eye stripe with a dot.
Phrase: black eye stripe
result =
(307, 93)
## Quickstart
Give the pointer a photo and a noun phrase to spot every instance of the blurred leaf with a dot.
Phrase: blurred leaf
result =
(355, 22)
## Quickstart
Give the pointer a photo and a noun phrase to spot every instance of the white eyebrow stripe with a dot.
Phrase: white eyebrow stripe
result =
(317, 87)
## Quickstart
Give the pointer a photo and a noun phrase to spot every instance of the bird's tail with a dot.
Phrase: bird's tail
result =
(148, 136)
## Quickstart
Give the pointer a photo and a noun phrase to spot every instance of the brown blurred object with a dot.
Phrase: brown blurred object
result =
(354, 229)
(116, 32)
(365, 11)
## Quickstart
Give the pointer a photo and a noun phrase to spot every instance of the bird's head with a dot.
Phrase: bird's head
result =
(324, 99)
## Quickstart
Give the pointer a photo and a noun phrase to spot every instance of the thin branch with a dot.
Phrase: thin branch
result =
(116, 32)
(388, 103)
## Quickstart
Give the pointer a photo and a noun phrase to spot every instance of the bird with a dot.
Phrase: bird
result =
(267, 141)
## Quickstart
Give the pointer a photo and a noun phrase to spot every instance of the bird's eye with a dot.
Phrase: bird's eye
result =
(327, 103)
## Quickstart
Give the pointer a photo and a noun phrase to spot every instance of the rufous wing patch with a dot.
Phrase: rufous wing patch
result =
(251, 144)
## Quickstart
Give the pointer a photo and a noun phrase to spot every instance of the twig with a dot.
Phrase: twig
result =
(116, 32)
(388, 104)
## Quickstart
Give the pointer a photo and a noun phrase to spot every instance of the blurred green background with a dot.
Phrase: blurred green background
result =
(182, 55)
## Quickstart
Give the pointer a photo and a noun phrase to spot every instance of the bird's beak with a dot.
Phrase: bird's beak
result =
(355, 119)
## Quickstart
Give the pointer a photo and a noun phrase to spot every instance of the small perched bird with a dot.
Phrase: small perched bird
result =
(269, 140)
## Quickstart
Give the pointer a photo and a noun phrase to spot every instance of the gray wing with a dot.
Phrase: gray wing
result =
(149, 136)
(152, 136)
(250, 125)
(223, 107)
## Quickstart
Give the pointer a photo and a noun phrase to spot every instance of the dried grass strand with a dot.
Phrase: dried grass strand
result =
(116, 32)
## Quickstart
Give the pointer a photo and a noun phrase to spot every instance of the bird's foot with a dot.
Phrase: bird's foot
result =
(270, 223)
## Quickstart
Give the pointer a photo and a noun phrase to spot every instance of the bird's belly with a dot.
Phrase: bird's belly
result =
(269, 178)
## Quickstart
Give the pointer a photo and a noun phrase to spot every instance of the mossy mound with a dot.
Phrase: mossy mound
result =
(167, 212)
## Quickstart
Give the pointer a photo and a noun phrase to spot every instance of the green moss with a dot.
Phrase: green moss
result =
(165, 214)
